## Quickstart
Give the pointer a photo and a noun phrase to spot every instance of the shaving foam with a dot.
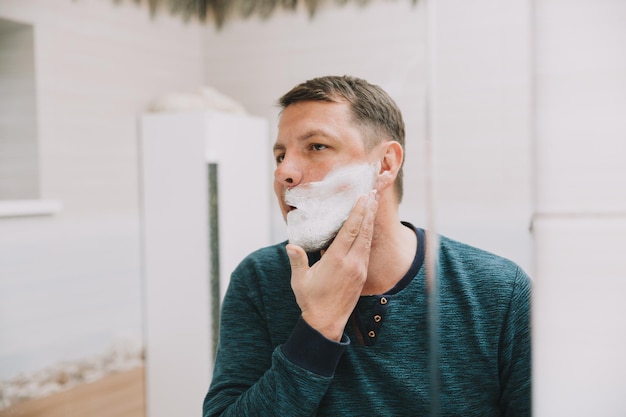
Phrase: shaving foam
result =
(323, 206)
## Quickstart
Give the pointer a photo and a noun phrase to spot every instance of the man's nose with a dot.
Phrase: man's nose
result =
(288, 172)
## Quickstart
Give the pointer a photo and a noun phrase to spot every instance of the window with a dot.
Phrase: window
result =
(19, 170)
(19, 152)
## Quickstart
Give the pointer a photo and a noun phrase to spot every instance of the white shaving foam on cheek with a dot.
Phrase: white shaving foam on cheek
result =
(323, 206)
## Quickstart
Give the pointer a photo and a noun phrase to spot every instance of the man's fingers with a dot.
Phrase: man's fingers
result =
(359, 225)
(366, 232)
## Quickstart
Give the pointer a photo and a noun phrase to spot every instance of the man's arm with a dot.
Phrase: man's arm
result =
(251, 377)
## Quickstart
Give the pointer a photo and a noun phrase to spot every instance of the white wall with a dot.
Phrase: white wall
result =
(580, 222)
(70, 284)
(482, 133)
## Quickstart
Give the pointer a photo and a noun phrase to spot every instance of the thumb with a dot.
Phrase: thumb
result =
(297, 258)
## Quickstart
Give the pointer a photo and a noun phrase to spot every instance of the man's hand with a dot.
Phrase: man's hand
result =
(328, 291)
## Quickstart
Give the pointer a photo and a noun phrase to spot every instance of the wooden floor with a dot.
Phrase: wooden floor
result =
(120, 394)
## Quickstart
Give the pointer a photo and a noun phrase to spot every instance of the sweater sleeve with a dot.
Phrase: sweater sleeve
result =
(254, 378)
(309, 349)
(515, 352)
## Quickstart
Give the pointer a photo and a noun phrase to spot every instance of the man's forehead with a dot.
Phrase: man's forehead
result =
(319, 111)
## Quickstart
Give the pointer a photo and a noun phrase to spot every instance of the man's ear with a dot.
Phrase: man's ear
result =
(390, 163)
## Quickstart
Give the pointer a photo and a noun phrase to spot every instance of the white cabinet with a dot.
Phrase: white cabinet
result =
(176, 150)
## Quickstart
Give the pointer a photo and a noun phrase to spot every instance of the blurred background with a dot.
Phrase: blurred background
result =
(112, 114)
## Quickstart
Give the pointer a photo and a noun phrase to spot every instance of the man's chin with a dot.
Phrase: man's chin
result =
(313, 243)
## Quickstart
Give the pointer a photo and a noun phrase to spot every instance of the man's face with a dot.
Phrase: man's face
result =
(315, 138)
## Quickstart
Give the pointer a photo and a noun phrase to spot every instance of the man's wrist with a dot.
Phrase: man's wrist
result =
(330, 331)
(310, 349)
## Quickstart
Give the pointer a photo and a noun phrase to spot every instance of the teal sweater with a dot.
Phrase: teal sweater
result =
(271, 363)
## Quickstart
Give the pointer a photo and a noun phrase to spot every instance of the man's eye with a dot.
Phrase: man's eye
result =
(280, 158)
(318, 147)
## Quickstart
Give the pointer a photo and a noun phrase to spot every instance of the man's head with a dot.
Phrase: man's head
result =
(373, 110)
(338, 138)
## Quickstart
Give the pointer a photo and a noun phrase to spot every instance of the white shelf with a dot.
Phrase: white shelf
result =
(24, 208)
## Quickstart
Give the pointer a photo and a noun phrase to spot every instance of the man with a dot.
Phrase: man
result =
(342, 328)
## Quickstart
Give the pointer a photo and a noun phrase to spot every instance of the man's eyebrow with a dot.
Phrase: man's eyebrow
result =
(315, 132)
(307, 135)
(278, 147)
